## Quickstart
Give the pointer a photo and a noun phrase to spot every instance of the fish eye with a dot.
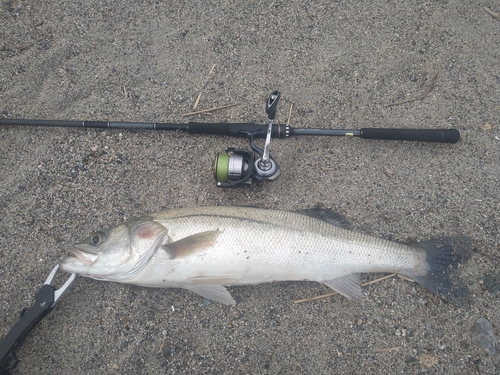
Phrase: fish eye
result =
(97, 238)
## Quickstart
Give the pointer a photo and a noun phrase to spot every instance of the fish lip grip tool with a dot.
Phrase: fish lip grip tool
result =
(45, 301)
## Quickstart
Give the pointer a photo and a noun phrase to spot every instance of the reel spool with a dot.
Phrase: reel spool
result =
(234, 168)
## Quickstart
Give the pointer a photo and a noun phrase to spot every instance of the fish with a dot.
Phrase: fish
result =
(205, 249)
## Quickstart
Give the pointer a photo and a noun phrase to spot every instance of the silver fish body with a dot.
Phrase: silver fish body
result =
(204, 249)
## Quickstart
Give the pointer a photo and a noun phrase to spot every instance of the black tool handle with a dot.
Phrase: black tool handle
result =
(421, 135)
(44, 302)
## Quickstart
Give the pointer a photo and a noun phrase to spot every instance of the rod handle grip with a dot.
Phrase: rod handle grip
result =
(420, 135)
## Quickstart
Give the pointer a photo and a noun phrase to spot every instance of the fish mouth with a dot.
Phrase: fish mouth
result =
(86, 258)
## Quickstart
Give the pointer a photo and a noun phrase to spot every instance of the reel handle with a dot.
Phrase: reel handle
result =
(272, 103)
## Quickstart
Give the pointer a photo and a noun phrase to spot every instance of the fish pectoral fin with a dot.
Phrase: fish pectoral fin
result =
(216, 293)
(192, 244)
(348, 285)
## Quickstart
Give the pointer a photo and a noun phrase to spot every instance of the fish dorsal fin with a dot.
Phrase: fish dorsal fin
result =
(327, 215)
(349, 285)
(216, 293)
(192, 244)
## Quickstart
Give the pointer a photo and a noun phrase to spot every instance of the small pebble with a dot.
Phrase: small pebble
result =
(483, 336)
(428, 360)
(491, 282)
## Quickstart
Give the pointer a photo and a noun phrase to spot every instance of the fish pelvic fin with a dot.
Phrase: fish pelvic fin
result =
(216, 293)
(436, 273)
(192, 244)
(348, 285)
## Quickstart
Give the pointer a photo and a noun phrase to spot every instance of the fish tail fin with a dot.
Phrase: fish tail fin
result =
(436, 272)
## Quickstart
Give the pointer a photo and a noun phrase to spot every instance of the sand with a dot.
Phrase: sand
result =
(343, 65)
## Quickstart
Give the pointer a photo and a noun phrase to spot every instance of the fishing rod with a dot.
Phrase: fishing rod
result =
(238, 167)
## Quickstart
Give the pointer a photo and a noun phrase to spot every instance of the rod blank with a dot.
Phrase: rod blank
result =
(255, 130)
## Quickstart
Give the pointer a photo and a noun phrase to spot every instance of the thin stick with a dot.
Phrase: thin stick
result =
(492, 13)
(20, 48)
(379, 279)
(211, 70)
(334, 293)
(33, 26)
(197, 100)
(395, 349)
(431, 87)
(290, 113)
(210, 109)
(206, 81)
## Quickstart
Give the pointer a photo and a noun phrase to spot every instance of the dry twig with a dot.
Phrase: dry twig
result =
(334, 293)
(211, 109)
(492, 13)
(431, 87)
(33, 26)
(206, 81)
(18, 48)
(290, 114)
(394, 349)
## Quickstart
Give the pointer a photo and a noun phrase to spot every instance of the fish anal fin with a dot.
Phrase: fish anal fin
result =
(216, 293)
(327, 215)
(348, 285)
(192, 244)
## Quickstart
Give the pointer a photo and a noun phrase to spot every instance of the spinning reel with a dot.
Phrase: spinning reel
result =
(238, 167)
